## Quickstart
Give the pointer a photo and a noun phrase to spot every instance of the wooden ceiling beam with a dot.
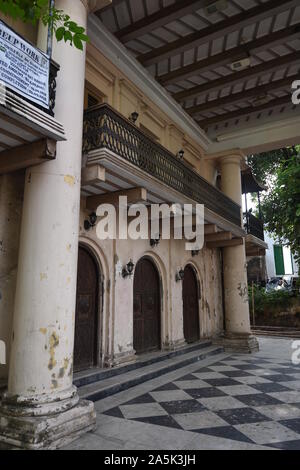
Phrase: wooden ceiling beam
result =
(24, 156)
(227, 57)
(210, 228)
(225, 243)
(134, 196)
(242, 96)
(160, 18)
(92, 174)
(217, 30)
(216, 237)
(236, 77)
(114, 3)
(205, 123)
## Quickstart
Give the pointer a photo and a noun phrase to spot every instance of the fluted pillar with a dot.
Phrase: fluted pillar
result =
(41, 408)
(238, 332)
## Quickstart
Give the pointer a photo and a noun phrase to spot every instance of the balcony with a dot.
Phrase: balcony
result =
(28, 129)
(254, 226)
(123, 148)
(255, 239)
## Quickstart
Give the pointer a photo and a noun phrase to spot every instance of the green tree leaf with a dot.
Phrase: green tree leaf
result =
(60, 23)
(281, 205)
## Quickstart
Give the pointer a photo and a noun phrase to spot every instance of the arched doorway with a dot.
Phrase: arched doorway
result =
(190, 305)
(146, 307)
(87, 306)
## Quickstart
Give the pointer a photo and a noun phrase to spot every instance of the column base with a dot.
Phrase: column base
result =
(174, 345)
(42, 432)
(243, 343)
(3, 387)
(120, 359)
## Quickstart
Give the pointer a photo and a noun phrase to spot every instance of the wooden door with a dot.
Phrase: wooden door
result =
(146, 308)
(86, 319)
(190, 305)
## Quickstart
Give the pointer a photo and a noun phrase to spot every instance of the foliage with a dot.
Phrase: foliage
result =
(60, 23)
(268, 301)
(265, 164)
(281, 205)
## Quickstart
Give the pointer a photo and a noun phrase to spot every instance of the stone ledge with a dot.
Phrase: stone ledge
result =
(238, 343)
(120, 359)
(175, 345)
(46, 432)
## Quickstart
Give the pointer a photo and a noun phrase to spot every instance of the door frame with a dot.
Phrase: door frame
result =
(100, 294)
(161, 298)
(196, 274)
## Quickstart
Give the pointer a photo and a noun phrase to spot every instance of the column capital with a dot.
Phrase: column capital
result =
(230, 156)
(228, 159)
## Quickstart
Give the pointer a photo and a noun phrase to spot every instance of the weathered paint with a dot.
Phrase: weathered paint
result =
(70, 180)
(168, 256)
(53, 343)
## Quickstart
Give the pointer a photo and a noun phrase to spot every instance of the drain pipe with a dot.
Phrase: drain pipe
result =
(50, 30)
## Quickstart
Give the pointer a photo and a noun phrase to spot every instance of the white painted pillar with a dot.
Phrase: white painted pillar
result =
(11, 201)
(41, 363)
(238, 333)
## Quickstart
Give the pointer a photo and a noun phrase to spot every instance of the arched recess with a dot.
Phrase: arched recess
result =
(190, 297)
(101, 303)
(147, 327)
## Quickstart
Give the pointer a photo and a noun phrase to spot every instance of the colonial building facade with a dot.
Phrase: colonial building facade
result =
(69, 301)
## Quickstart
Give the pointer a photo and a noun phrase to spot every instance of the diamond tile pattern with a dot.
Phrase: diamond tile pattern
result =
(250, 400)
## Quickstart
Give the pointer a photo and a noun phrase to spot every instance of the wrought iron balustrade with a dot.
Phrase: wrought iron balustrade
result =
(104, 127)
(254, 226)
(54, 69)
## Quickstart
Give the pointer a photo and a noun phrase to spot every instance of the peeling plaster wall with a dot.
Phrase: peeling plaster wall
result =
(117, 318)
(108, 84)
(11, 202)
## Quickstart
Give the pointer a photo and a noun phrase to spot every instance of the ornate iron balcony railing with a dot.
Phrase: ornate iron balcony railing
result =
(254, 226)
(104, 127)
(54, 69)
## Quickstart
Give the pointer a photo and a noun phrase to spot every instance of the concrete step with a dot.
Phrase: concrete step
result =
(127, 379)
(90, 376)
(275, 331)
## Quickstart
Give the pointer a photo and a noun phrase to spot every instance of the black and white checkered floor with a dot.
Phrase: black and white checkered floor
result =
(252, 400)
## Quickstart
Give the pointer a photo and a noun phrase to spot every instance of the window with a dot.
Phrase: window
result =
(279, 261)
(283, 260)
(91, 98)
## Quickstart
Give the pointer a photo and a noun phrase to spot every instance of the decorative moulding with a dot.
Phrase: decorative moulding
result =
(111, 48)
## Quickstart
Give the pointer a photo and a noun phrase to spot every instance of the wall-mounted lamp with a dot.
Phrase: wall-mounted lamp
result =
(155, 241)
(180, 154)
(195, 252)
(134, 117)
(179, 275)
(128, 269)
(91, 221)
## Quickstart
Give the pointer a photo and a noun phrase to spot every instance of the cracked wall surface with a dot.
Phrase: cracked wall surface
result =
(11, 202)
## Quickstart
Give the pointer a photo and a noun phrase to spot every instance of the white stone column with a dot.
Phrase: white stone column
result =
(41, 363)
(11, 201)
(238, 333)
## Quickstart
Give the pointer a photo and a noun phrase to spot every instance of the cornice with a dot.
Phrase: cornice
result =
(111, 48)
